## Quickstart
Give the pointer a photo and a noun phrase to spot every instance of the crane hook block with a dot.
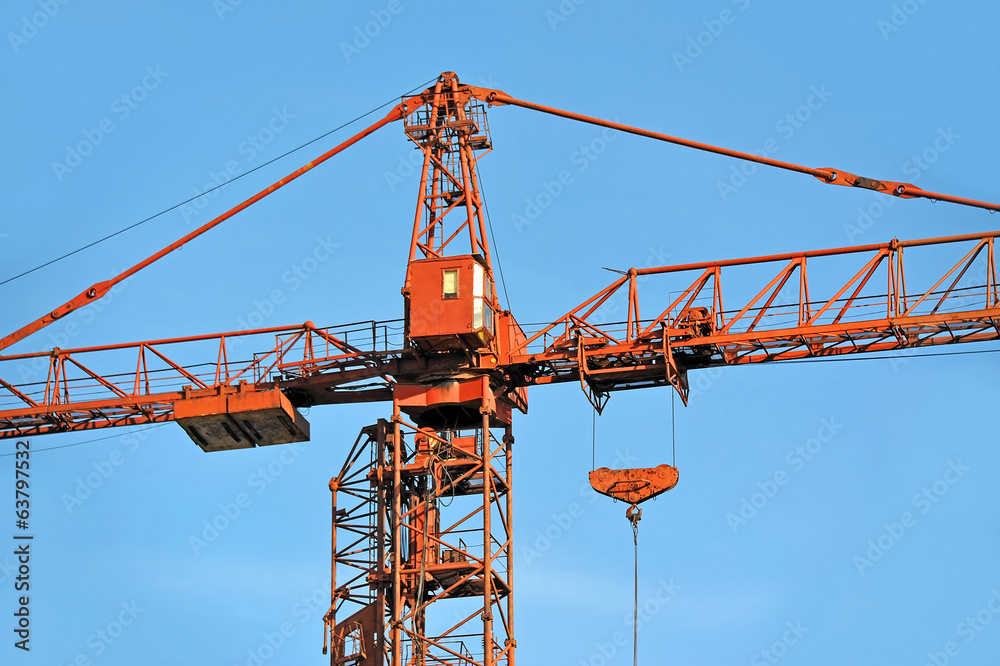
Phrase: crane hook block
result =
(634, 485)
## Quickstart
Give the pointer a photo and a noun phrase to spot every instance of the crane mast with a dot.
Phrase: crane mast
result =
(422, 566)
(422, 532)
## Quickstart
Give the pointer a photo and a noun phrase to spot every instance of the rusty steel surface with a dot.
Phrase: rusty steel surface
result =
(438, 324)
(718, 319)
(827, 175)
(101, 288)
(241, 419)
(457, 365)
(462, 132)
(635, 485)
(86, 388)
(450, 130)
(422, 526)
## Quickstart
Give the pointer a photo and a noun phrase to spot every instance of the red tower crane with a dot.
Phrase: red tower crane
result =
(422, 507)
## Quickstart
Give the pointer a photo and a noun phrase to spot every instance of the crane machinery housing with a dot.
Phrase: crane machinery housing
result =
(422, 508)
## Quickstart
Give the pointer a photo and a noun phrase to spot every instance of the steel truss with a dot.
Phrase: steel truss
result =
(421, 523)
(807, 305)
(857, 306)
(422, 548)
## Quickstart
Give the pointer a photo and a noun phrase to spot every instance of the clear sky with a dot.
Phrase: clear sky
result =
(118, 110)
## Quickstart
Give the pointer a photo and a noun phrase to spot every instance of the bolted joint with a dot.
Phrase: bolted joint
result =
(868, 183)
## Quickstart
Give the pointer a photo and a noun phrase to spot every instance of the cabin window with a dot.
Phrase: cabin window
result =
(488, 290)
(449, 284)
(477, 313)
(482, 314)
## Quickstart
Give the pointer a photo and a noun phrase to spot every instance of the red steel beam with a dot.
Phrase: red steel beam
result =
(827, 174)
(98, 290)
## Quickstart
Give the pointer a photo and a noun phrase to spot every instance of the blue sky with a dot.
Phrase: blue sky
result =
(165, 98)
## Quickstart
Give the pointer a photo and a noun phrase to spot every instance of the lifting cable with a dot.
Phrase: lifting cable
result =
(673, 431)
(634, 515)
(593, 440)
(635, 486)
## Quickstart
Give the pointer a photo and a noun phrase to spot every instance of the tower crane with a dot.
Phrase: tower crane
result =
(422, 507)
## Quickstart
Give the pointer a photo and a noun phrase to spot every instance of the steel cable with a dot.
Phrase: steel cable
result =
(198, 196)
(635, 607)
